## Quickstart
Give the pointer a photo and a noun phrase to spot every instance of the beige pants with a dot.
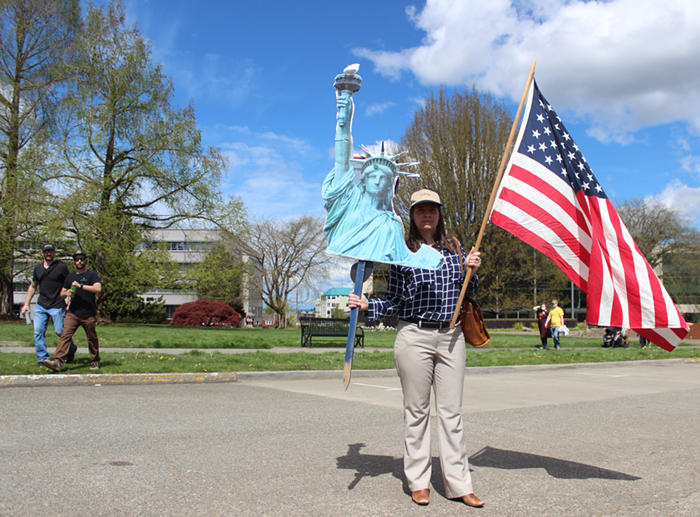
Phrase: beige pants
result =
(434, 359)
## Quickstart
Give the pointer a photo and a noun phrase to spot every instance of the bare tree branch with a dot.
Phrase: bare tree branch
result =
(285, 256)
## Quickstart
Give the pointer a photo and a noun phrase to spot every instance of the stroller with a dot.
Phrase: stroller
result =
(615, 338)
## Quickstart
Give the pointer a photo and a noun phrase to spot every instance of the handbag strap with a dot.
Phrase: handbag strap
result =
(46, 271)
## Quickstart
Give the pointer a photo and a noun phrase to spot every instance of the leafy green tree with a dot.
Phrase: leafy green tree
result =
(338, 313)
(131, 308)
(133, 161)
(128, 264)
(35, 39)
(219, 276)
(380, 275)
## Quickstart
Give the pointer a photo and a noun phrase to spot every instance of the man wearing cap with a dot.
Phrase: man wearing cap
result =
(82, 286)
(48, 278)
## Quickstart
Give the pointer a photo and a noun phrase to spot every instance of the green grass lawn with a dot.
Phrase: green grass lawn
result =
(162, 336)
(158, 336)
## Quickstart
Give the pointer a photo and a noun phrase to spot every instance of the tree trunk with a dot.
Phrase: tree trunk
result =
(6, 294)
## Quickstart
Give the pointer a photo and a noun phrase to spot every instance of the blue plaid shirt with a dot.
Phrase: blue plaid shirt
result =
(423, 293)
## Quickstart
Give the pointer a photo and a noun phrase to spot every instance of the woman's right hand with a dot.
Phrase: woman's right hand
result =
(356, 301)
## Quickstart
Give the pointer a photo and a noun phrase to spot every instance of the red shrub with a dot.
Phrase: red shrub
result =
(205, 314)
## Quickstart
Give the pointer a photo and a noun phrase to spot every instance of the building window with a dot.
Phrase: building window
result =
(176, 246)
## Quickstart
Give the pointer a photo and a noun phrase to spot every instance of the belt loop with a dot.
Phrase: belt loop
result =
(420, 324)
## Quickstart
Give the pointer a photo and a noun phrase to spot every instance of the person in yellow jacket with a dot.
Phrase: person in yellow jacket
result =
(556, 320)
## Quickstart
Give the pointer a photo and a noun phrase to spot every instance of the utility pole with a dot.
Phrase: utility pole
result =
(572, 300)
(534, 261)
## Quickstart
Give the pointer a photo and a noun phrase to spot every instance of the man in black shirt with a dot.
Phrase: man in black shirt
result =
(82, 286)
(48, 277)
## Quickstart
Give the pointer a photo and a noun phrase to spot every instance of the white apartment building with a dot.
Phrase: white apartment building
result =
(338, 297)
(330, 299)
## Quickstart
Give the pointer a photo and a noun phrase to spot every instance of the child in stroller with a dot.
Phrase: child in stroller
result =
(616, 337)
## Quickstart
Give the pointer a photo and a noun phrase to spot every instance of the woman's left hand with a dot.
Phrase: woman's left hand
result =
(474, 259)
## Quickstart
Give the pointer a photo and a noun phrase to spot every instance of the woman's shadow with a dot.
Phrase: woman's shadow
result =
(371, 465)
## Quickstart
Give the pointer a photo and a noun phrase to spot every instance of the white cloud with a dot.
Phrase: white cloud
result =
(297, 142)
(278, 190)
(378, 108)
(624, 64)
(339, 275)
(240, 129)
(691, 163)
(684, 199)
(266, 171)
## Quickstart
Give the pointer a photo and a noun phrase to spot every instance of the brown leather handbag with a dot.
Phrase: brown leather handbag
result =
(472, 322)
(470, 318)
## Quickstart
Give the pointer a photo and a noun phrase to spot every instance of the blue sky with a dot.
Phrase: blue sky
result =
(624, 75)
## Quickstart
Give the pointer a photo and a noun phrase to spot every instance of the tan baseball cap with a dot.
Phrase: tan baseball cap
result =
(425, 196)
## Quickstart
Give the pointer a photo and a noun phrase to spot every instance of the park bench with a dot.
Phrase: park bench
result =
(328, 327)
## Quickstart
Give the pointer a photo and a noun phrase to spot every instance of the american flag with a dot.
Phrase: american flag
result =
(550, 198)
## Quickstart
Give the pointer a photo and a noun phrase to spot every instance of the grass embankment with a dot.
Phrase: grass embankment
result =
(145, 336)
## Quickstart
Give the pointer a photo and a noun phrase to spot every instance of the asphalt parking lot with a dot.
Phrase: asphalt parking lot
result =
(588, 440)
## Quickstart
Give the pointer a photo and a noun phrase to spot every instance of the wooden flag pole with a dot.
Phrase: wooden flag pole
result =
(494, 191)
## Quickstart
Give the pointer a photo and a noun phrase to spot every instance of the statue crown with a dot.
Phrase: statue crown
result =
(371, 162)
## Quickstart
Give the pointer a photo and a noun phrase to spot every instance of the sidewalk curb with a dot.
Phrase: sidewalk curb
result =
(114, 379)
(134, 379)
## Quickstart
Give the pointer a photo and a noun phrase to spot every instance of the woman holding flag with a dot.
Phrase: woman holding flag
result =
(428, 353)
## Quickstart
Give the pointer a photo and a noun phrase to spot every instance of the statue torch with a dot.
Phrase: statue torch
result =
(349, 82)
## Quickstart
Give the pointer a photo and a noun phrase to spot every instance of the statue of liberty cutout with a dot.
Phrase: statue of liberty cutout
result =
(358, 195)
